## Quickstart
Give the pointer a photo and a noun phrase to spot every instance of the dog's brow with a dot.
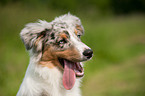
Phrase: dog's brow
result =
(78, 27)
(64, 36)
(76, 32)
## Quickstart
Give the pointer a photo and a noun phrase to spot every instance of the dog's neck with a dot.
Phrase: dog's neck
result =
(45, 81)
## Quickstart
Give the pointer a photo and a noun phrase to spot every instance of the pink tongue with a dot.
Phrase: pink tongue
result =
(68, 75)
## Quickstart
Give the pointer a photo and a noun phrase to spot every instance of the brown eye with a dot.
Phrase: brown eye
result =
(62, 41)
(79, 36)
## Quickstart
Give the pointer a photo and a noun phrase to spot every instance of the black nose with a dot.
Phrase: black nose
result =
(88, 53)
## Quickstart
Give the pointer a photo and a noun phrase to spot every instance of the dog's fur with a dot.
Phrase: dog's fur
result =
(43, 40)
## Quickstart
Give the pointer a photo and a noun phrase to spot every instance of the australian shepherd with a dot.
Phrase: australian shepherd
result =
(56, 56)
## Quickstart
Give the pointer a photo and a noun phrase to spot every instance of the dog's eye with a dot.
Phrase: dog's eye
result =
(79, 36)
(62, 41)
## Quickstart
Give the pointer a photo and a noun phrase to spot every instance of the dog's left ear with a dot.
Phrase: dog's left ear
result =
(33, 35)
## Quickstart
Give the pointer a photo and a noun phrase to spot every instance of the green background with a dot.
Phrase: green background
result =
(114, 29)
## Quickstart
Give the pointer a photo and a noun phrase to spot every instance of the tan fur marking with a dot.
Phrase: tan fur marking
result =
(50, 57)
(78, 27)
(76, 32)
(47, 56)
(63, 36)
(70, 54)
(49, 60)
(48, 64)
(37, 40)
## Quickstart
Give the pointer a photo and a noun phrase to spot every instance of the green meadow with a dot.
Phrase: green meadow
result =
(116, 69)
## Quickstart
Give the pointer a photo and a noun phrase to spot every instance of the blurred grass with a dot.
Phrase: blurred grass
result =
(125, 79)
(118, 42)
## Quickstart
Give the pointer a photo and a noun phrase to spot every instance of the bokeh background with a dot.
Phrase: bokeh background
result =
(114, 29)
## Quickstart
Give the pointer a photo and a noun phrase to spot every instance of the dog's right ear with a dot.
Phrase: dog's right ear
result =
(31, 33)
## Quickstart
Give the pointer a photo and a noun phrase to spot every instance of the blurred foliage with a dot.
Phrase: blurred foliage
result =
(128, 6)
(103, 6)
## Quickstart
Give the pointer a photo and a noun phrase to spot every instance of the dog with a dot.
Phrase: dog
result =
(56, 56)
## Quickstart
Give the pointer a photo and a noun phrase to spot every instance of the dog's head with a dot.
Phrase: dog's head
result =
(58, 43)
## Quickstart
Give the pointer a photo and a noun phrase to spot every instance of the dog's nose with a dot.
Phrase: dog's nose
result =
(88, 53)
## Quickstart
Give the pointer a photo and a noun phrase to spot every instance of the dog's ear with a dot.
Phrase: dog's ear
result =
(33, 34)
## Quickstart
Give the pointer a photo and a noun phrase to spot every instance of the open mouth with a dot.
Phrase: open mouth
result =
(71, 71)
